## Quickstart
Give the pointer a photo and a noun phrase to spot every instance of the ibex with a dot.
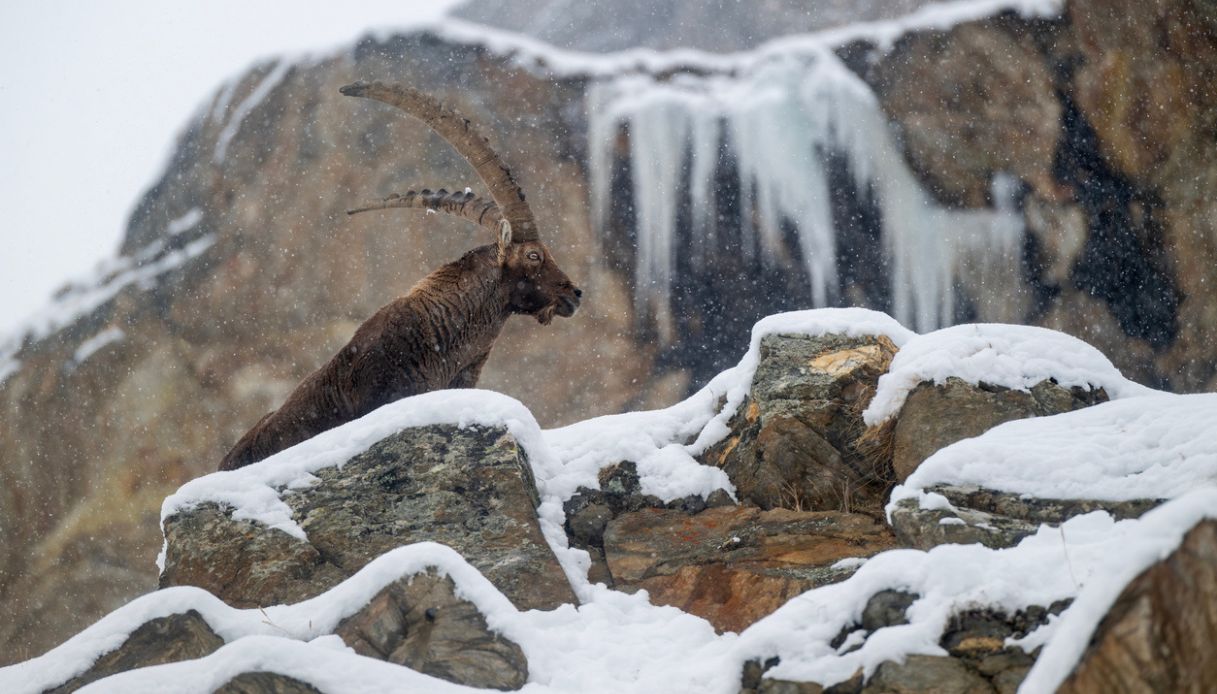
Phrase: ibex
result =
(439, 334)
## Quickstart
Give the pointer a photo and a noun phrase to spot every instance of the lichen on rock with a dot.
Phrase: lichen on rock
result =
(793, 441)
(469, 488)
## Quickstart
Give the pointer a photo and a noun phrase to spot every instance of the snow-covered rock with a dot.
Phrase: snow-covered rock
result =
(961, 381)
(792, 442)
(469, 488)
(421, 622)
(1016, 357)
(187, 640)
(976, 616)
(1158, 634)
(1122, 457)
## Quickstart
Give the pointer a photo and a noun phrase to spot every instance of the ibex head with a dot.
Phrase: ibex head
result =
(538, 287)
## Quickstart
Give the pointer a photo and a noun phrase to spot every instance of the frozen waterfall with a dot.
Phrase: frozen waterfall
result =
(781, 117)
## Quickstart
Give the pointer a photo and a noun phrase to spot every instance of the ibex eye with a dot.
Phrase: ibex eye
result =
(534, 256)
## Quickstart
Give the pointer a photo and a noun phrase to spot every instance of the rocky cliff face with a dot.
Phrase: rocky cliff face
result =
(240, 273)
(1106, 116)
(1064, 162)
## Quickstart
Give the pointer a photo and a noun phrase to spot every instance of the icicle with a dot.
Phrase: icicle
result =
(703, 158)
(782, 115)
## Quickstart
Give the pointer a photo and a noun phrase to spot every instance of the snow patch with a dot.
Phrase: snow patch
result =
(1152, 447)
(1012, 356)
(243, 109)
(91, 346)
(849, 563)
(223, 99)
(186, 222)
(81, 297)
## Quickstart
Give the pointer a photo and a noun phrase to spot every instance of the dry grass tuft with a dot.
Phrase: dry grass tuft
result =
(876, 446)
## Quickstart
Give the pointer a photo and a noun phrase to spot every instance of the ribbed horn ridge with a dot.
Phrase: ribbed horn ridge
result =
(480, 211)
(464, 137)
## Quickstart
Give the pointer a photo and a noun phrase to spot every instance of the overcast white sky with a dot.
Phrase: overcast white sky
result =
(92, 95)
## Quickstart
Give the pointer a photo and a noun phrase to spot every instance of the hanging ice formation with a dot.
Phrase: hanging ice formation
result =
(781, 115)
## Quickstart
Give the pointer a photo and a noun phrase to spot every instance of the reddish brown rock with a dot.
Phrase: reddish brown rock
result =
(1159, 634)
(734, 565)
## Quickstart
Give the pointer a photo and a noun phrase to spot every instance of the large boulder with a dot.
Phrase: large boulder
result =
(1159, 634)
(733, 565)
(793, 440)
(420, 622)
(469, 488)
(935, 415)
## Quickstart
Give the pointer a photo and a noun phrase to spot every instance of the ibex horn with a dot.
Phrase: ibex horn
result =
(480, 211)
(464, 137)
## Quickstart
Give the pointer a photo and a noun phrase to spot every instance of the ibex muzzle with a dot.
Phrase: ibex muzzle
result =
(440, 333)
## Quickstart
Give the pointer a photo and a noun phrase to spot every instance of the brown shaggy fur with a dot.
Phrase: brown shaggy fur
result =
(437, 336)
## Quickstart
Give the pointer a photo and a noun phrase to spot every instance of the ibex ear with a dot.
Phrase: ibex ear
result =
(504, 239)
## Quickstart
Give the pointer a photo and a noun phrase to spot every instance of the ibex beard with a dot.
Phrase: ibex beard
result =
(440, 333)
